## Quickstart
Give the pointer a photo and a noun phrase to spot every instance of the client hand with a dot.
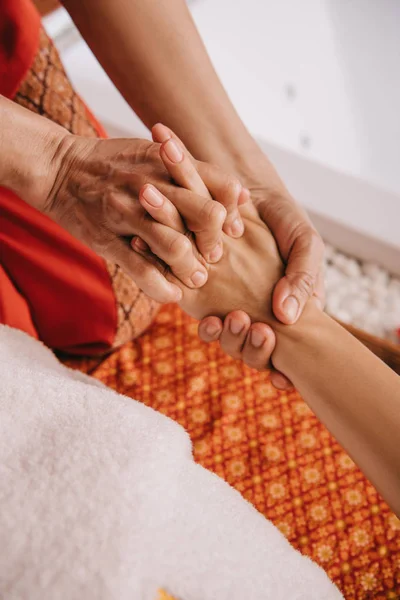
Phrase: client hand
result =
(243, 279)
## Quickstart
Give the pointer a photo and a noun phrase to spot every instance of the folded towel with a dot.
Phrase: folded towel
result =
(100, 499)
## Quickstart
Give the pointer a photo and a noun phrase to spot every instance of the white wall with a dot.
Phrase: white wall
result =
(319, 78)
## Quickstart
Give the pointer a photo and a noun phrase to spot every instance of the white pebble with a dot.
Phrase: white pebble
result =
(340, 261)
(365, 282)
(343, 316)
(329, 252)
(352, 268)
(375, 273)
(394, 285)
(355, 306)
(362, 294)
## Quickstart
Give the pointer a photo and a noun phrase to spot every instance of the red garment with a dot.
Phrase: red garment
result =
(58, 289)
(19, 38)
(51, 286)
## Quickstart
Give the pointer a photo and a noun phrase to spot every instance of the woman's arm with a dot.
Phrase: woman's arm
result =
(29, 146)
(355, 394)
(97, 189)
(350, 390)
(153, 53)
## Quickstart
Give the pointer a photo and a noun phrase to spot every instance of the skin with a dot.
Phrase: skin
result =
(97, 190)
(239, 337)
(352, 392)
(155, 56)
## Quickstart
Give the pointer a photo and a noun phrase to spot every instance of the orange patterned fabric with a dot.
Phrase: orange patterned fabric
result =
(269, 446)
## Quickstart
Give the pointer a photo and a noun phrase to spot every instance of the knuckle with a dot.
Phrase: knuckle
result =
(219, 214)
(103, 243)
(306, 283)
(153, 152)
(253, 363)
(212, 213)
(309, 239)
(315, 241)
(227, 348)
(179, 248)
(113, 209)
(146, 278)
(146, 150)
(230, 190)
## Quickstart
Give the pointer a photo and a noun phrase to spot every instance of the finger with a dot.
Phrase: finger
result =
(258, 347)
(210, 329)
(161, 133)
(227, 190)
(204, 217)
(175, 250)
(302, 272)
(160, 208)
(146, 276)
(184, 173)
(121, 217)
(182, 168)
(140, 246)
(230, 194)
(280, 382)
(244, 196)
(233, 337)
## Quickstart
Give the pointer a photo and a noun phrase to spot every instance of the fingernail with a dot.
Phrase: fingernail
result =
(280, 382)
(257, 338)
(244, 196)
(235, 326)
(237, 227)
(138, 243)
(173, 151)
(216, 253)
(212, 330)
(165, 134)
(178, 295)
(198, 278)
(291, 308)
(153, 197)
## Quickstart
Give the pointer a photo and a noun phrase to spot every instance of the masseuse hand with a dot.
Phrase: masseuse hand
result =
(100, 194)
(97, 190)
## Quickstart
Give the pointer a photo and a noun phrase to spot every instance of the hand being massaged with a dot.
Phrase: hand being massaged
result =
(239, 287)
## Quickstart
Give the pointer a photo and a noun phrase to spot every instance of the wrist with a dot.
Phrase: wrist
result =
(30, 152)
(305, 338)
(253, 168)
(230, 146)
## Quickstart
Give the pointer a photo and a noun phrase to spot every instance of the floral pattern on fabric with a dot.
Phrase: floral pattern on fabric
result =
(269, 446)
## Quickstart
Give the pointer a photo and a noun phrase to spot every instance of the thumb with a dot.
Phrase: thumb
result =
(302, 274)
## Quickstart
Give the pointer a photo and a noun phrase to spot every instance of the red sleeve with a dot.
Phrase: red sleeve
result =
(19, 38)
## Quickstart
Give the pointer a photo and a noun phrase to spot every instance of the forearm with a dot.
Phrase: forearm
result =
(154, 54)
(28, 147)
(353, 393)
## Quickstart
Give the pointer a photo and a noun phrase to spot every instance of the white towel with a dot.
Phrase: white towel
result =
(100, 499)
